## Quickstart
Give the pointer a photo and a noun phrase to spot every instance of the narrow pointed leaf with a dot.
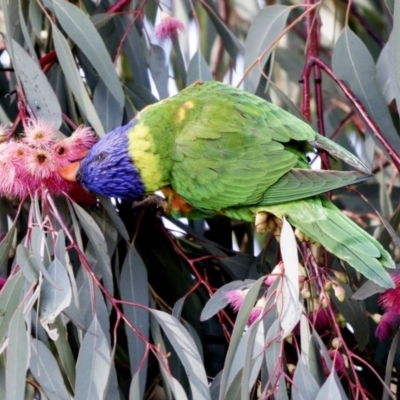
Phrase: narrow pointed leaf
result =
(17, 357)
(46, 371)
(134, 289)
(80, 29)
(93, 364)
(264, 30)
(187, 352)
(74, 80)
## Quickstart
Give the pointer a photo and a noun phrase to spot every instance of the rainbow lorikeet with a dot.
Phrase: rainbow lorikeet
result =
(214, 149)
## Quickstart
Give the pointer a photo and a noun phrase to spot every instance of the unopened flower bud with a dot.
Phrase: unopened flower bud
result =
(341, 276)
(336, 343)
(340, 293)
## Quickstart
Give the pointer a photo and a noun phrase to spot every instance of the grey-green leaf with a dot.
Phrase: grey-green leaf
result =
(218, 300)
(38, 91)
(17, 357)
(265, 29)
(46, 371)
(352, 62)
(134, 288)
(54, 300)
(93, 364)
(304, 385)
(74, 80)
(82, 31)
(198, 70)
(187, 352)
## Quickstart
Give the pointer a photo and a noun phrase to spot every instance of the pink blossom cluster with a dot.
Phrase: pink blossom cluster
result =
(168, 28)
(30, 163)
(390, 302)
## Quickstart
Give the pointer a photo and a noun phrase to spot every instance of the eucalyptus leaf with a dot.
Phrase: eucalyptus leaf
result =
(74, 80)
(93, 364)
(134, 289)
(218, 301)
(53, 300)
(198, 69)
(187, 352)
(39, 93)
(46, 371)
(18, 355)
(260, 41)
(352, 62)
(159, 70)
(82, 31)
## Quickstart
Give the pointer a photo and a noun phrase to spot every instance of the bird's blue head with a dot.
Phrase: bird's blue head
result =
(108, 169)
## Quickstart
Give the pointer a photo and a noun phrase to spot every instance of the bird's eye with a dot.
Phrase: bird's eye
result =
(101, 156)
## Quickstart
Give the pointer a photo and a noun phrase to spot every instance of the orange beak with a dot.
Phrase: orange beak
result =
(69, 171)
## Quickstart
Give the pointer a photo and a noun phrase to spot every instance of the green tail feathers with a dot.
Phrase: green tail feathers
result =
(324, 223)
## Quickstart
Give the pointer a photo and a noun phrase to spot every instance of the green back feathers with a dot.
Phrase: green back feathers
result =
(221, 147)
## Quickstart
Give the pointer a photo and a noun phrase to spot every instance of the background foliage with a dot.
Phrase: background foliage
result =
(103, 301)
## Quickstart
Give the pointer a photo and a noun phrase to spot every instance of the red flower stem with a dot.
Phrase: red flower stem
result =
(360, 108)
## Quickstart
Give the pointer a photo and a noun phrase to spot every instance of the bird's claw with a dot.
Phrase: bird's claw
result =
(152, 201)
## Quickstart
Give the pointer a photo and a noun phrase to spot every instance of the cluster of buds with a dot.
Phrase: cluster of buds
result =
(265, 222)
(30, 163)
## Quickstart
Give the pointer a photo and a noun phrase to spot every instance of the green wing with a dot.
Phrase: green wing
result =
(226, 150)
(232, 147)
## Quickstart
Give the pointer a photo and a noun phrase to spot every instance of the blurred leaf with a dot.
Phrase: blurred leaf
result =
(159, 70)
(65, 355)
(241, 322)
(35, 17)
(264, 30)
(52, 300)
(10, 297)
(18, 355)
(253, 357)
(27, 264)
(5, 247)
(329, 390)
(187, 352)
(368, 289)
(45, 370)
(231, 42)
(91, 304)
(39, 93)
(140, 95)
(74, 80)
(99, 246)
(198, 69)
(288, 301)
(273, 357)
(116, 219)
(389, 365)
(133, 48)
(355, 314)
(218, 300)
(108, 109)
(101, 19)
(93, 364)
(38, 239)
(304, 385)
(352, 62)
(134, 289)
(80, 29)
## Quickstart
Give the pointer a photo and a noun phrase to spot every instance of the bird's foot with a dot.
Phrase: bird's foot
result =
(152, 201)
